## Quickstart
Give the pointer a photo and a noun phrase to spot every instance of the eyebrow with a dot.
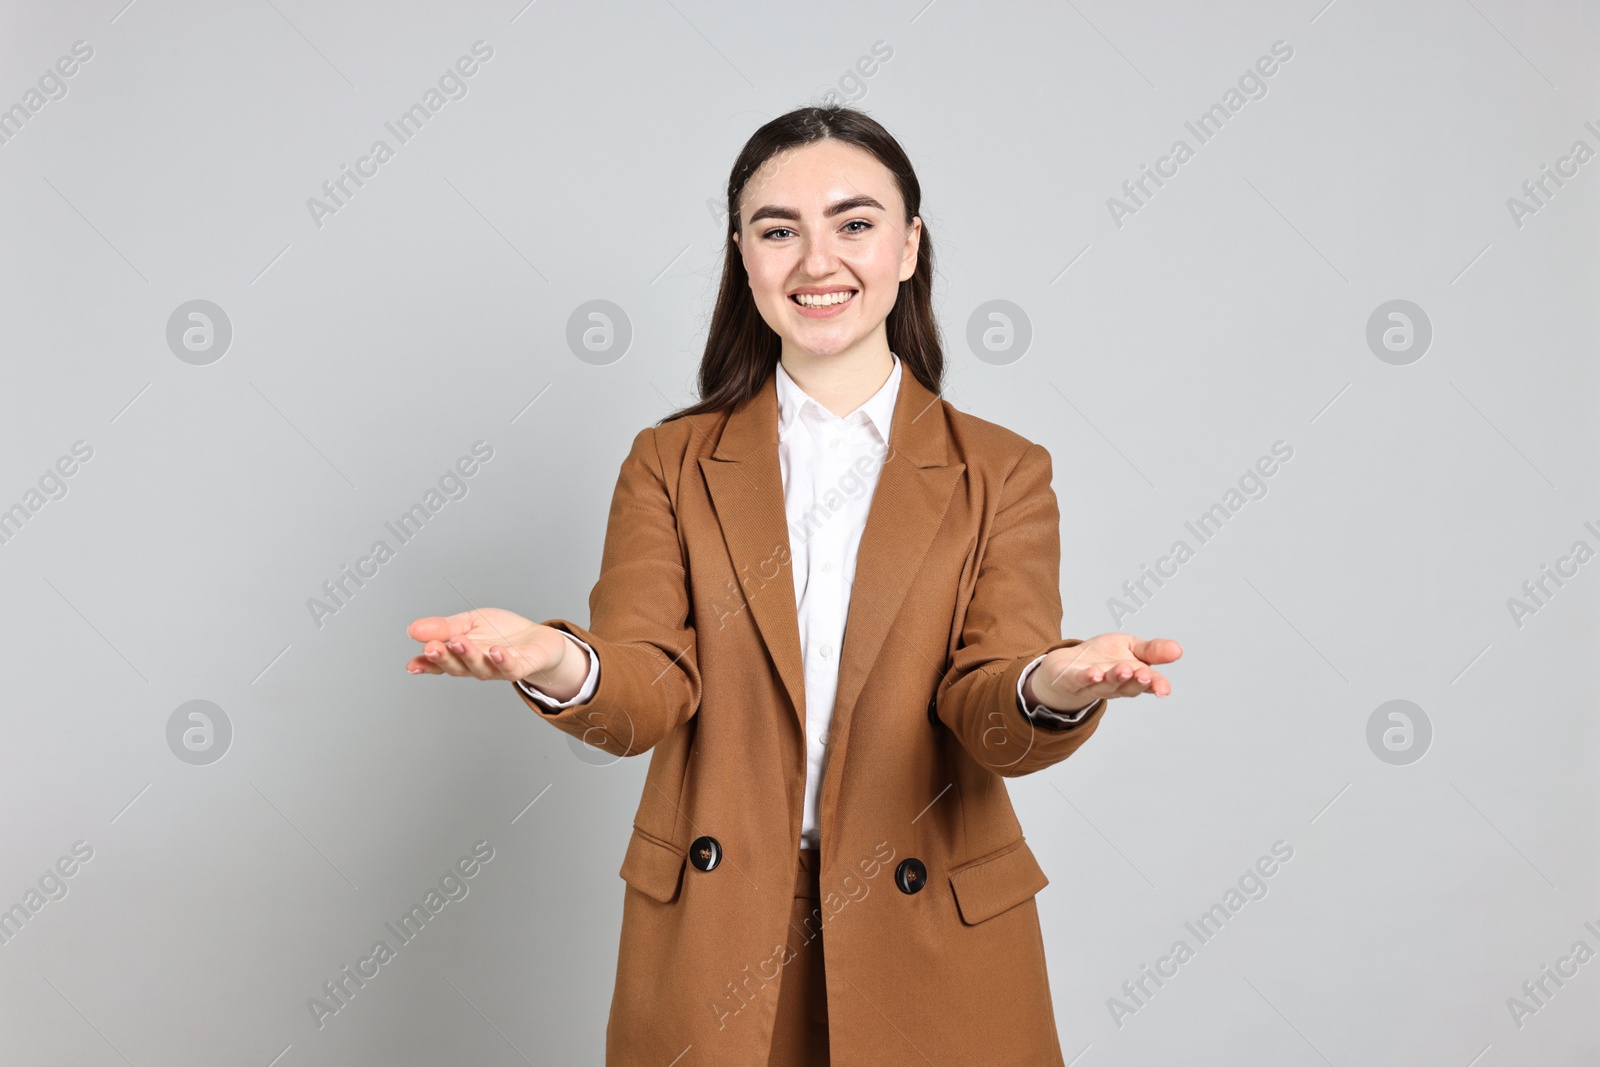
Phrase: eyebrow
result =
(839, 207)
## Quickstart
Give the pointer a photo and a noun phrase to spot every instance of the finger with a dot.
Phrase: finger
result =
(1147, 677)
(439, 627)
(1100, 682)
(427, 628)
(511, 661)
(1130, 688)
(1157, 650)
(1155, 683)
(1122, 679)
(421, 665)
(1105, 678)
(468, 652)
(444, 659)
(1113, 674)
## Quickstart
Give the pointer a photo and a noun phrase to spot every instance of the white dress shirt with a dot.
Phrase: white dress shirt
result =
(830, 467)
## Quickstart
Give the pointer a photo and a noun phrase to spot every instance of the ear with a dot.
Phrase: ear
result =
(908, 259)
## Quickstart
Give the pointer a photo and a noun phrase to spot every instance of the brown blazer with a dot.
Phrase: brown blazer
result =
(694, 620)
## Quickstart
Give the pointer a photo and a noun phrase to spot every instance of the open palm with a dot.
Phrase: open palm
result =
(1107, 665)
(488, 643)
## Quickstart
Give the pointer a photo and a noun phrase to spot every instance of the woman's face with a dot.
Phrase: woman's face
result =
(825, 218)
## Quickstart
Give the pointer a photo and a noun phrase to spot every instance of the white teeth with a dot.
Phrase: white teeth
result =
(814, 301)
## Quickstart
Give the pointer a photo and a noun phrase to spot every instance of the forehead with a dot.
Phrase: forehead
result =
(809, 177)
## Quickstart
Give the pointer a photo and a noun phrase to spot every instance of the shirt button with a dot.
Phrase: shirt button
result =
(826, 651)
(826, 567)
(824, 737)
(833, 442)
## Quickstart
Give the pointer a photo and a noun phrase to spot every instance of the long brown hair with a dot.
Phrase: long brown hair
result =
(741, 349)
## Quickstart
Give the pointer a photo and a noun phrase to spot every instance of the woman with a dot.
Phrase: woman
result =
(825, 862)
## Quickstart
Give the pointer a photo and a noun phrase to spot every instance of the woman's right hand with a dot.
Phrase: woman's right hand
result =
(498, 645)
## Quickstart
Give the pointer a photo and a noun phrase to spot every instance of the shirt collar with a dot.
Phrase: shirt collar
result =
(879, 408)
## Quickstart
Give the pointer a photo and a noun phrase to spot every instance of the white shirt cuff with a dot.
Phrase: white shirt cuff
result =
(590, 682)
(1046, 715)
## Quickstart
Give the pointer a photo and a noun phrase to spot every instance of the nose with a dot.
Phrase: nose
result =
(820, 260)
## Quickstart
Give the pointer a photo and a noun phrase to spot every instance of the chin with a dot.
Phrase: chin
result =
(822, 347)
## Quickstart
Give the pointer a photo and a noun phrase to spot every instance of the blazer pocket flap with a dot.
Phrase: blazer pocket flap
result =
(652, 867)
(990, 886)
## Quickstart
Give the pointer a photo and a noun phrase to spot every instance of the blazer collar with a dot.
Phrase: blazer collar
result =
(914, 490)
(915, 427)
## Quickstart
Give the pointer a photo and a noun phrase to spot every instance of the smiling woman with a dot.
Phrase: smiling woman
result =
(829, 606)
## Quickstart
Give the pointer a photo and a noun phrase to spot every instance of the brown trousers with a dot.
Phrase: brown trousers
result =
(800, 1037)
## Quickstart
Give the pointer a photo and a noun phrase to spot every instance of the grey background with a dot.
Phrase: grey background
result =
(1167, 355)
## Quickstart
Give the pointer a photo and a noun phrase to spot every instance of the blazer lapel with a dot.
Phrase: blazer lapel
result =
(908, 507)
(745, 481)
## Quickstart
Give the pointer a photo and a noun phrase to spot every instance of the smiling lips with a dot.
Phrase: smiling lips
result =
(818, 305)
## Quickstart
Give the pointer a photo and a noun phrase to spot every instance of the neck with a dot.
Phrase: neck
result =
(841, 382)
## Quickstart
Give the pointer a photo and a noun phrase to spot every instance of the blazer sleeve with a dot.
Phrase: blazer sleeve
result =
(1014, 617)
(640, 626)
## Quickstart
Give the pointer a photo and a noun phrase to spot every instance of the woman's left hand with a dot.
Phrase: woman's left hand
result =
(1109, 665)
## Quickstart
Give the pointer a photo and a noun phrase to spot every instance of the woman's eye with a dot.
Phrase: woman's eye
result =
(784, 230)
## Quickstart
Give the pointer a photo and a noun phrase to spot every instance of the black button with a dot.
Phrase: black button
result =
(933, 711)
(911, 875)
(705, 853)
